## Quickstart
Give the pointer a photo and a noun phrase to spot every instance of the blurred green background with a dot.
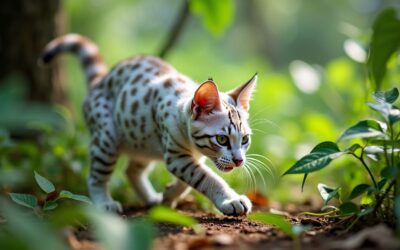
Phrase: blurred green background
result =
(313, 83)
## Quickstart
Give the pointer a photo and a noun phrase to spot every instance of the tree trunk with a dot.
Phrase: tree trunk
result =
(26, 27)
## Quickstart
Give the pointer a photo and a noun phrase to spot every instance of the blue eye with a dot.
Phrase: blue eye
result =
(222, 139)
(245, 139)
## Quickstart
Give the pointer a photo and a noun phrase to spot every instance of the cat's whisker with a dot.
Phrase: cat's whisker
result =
(247, 177)
(252, 177)
(259, 130)
(259, 173)
(261, 164)
(260, 156)
(258, 163)
(256, 123)
(258, 113)
(248, 181)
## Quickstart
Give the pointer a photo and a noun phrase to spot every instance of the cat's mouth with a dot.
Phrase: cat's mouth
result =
(227, 169)
(223, 168)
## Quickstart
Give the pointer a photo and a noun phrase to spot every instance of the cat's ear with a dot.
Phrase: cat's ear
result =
(206, 99)
(242, 94)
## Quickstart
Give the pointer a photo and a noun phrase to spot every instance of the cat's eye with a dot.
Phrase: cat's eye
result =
(222, 139)
(245, 139)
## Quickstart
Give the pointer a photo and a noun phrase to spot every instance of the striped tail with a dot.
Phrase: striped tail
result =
(85, 49)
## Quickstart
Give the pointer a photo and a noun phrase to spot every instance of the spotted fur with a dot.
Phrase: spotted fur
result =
(145, 108)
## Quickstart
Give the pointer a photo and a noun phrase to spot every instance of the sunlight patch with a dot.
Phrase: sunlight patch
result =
(305, 77)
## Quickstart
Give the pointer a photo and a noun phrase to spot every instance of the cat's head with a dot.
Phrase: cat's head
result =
(219, 125)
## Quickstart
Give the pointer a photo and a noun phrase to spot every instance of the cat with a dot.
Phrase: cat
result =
(145, 108)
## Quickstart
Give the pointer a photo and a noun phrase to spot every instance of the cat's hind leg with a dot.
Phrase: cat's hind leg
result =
(138, 175)
(103, 149)
(174, 192)
(103, 156)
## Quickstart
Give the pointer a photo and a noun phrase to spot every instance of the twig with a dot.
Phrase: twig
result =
(382, 197)
(361, 159)
(352, 224)
(176, 29)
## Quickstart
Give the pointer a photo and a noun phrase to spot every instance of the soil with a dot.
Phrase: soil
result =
(222, 232)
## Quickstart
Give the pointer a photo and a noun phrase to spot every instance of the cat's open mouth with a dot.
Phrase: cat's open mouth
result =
(226, 169)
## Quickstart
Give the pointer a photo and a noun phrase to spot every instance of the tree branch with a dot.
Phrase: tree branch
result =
(176, 29)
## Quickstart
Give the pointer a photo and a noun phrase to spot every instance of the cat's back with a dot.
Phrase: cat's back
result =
(145, 75)
(146, 92)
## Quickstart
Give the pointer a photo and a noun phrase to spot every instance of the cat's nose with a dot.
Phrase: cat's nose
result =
(238, 162)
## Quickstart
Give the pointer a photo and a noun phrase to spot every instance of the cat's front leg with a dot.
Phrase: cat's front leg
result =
(204, 180)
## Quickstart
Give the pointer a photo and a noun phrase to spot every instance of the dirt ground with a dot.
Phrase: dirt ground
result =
(222, 232)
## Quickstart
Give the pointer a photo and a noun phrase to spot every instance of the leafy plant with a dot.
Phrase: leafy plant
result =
(384, 43)
(114, 233)
(380, 146)
(52, 196)
(24, 231)
(165, 214)
(215, 15)
(294, 231)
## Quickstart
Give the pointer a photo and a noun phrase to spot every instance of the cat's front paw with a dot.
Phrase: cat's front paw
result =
(240, 205)
(110, 206)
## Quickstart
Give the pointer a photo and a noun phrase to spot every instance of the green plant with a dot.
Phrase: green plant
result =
(20, 230)
(165, 214)
(52, 196)
(379, 147)
(294, 231)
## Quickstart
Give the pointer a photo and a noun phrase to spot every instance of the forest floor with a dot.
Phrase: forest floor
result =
(234, 233)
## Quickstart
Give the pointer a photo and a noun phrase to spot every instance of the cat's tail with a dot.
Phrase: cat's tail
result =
(86, 50)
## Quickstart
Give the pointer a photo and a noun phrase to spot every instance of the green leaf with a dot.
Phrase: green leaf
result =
(44, 184)
(110, 230)
(359, 190)
(367, 199)
(34, 234)
(388, 96)
(353, 148)
(216, 16)
(363, 129)
(394, 115)
(389, 172)
(50, 205)
(115, 233)
(273, 219)
(77, 197)
(318, 158)
(385, 41)
(349, 208)
(327, 193)
(26, 200)
(387, 110)
(366, 211)
(303, 182)
(164, 214)
(380, 150)
(382, 183)
(141, 234)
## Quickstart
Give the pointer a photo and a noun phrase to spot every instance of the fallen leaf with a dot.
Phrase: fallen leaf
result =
(216, 240)
(199, 243)
(223, 239)
(380, 235)
(258, 199)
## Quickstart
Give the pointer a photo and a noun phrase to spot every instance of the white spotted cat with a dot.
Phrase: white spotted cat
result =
(145, 108)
